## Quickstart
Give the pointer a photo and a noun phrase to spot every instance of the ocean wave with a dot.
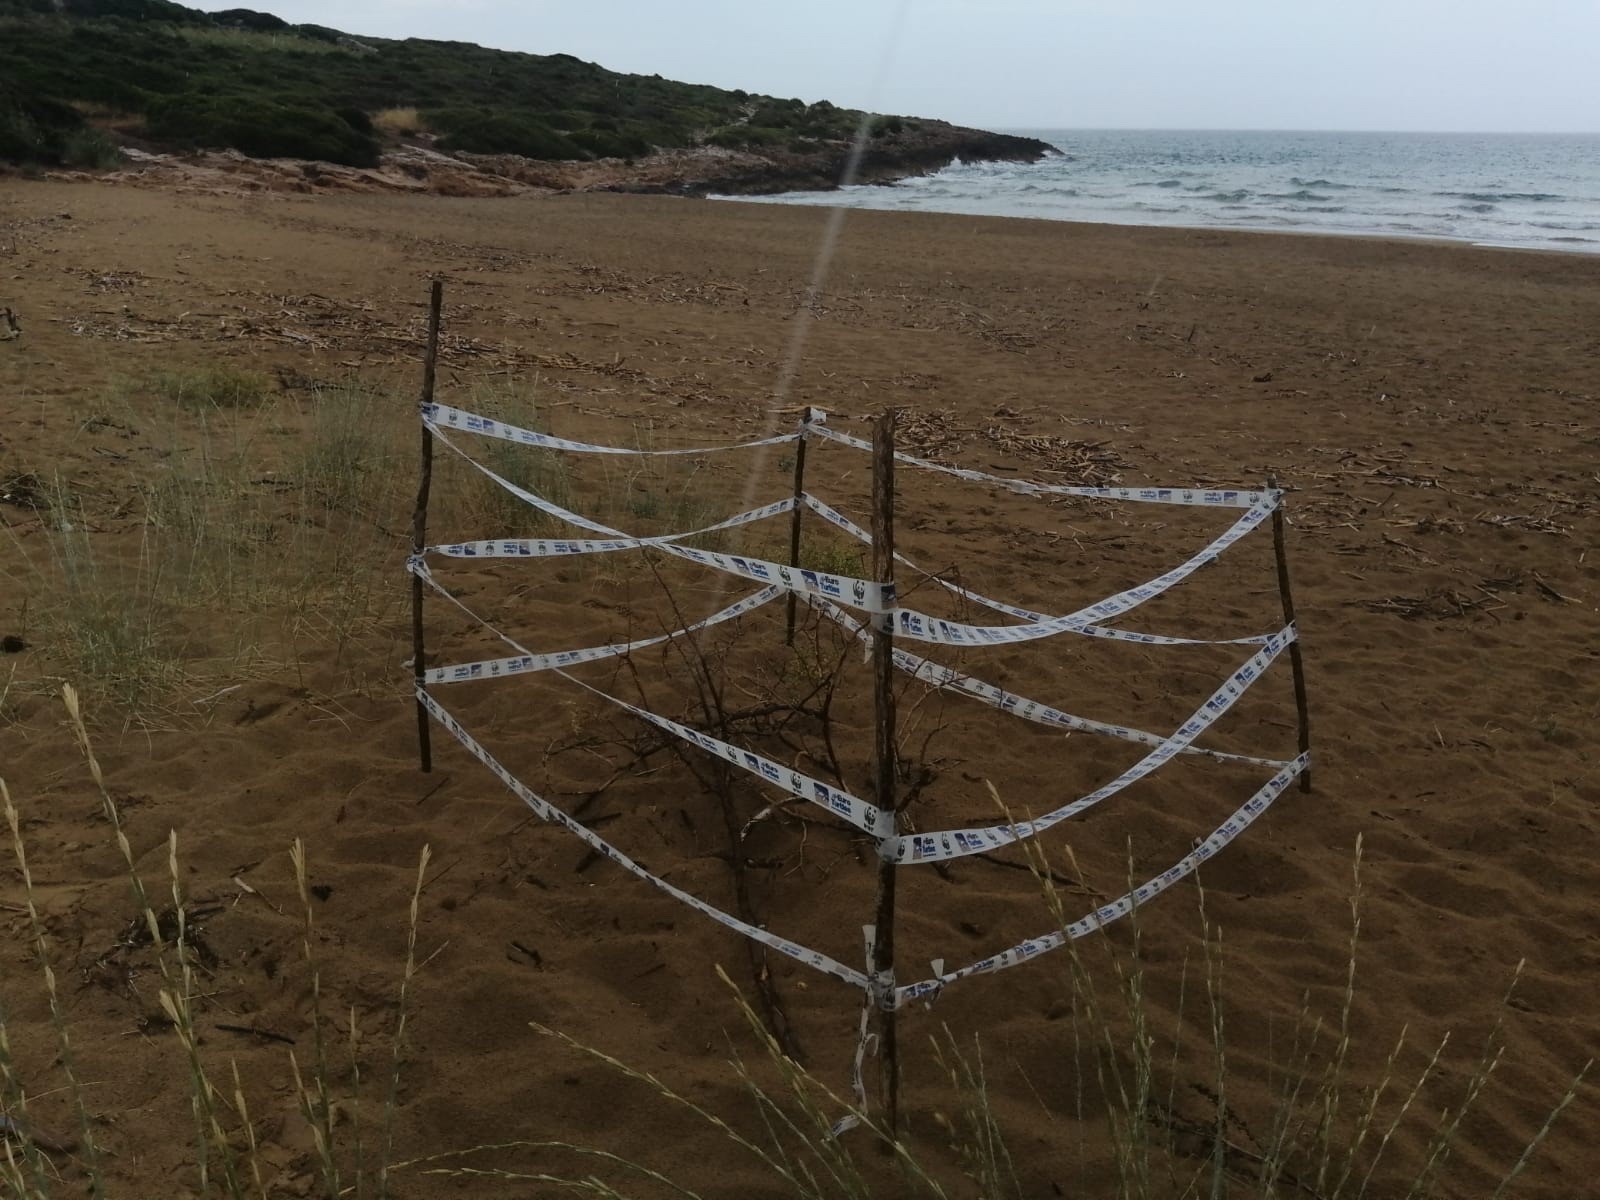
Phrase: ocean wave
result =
(1224, 182)
(1498, 197)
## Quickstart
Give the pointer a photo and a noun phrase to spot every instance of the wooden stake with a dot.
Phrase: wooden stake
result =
(794, 517)
(1296, 661)
(884, 758)
(419, 524)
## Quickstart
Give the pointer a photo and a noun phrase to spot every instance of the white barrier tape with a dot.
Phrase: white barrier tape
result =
(1121, 907)
(921, 627)
(833, 516)
(866, 1040)
(1208, 497)
(880, 988)
(866, 1043)
(546, 811)
(419, 568)
(880, 597)
(948, 679)
(558, 547)
(858, 593)
(521, 493)
(866, 817)
(523, 664)
(957, 843)
(468, 422)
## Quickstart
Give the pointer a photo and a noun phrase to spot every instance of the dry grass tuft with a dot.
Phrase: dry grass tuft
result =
(218, 386)
(109, 621)
(399, 122)
(260, 533)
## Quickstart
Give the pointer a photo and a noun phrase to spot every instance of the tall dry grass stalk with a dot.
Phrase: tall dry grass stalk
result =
(177, 1001)
(977, 1134)
(358, 1146)
(402, 1013)
(41, 950)
(173, 960)
(316, 1105)
(315, 1099)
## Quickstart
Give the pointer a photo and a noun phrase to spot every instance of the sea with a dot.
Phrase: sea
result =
(1519, 190)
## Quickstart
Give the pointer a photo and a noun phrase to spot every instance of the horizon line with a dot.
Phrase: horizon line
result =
(1283, 129)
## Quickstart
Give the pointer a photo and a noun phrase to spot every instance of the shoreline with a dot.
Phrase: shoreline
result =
(1516, 192)
(1341, 235)
(416, 171)
(177, 186)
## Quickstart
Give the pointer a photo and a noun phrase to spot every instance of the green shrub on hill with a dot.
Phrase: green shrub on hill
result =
(659, 134)
(749, 137)
(321, 33)
(128, 10)
(35, 128)
(778, 113)
(261, 128)
(90, 149)
(249, 80)
(602, 144)
(357, 119)
(246, 18)
(484, 131)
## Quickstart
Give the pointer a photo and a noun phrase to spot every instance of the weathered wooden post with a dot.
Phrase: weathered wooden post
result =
(794, 516)
(419, 523)
(886, 766)
(1296, 659)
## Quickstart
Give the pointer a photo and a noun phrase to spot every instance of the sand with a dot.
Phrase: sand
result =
(1431, 409)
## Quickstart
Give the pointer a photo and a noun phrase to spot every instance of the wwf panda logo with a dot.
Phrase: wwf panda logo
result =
(860, 591)
(783, 574)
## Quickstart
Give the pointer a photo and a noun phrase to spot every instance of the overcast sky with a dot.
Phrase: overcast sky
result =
(1484, 65)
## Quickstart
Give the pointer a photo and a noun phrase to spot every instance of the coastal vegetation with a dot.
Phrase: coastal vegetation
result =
(82, 76)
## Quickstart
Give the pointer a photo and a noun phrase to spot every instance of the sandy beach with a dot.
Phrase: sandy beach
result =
(1430, 408)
